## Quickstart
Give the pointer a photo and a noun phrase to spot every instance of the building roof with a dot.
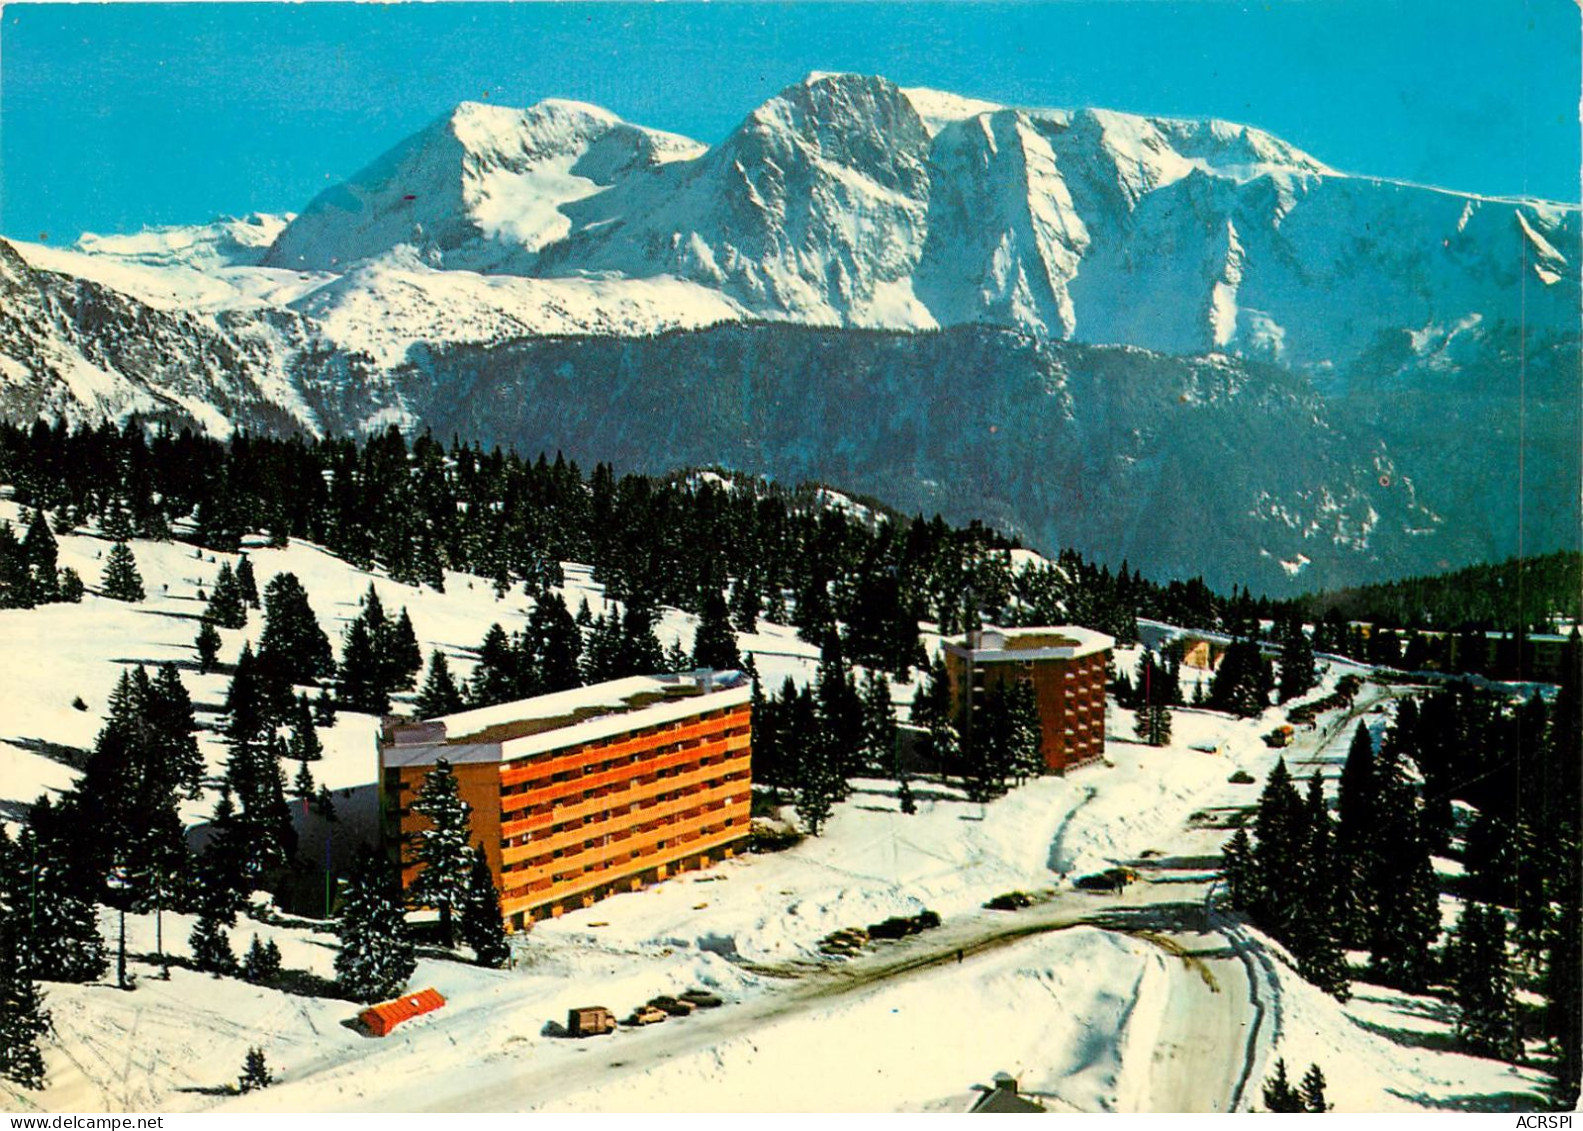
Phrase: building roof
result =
(387, 1015)
(1039, 642)
(565, 718)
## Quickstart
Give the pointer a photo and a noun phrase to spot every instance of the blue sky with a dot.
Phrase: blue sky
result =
(115, 116)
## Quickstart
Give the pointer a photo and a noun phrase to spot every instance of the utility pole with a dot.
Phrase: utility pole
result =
(116, 881)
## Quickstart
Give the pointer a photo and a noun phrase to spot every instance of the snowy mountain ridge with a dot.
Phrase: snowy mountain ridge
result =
(496, 237)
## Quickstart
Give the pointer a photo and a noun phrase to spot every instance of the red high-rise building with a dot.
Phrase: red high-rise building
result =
(1066, 667)
(585, 793)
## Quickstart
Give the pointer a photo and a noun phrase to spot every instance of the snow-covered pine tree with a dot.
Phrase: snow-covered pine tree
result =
(1025, 730)
(255, 1072)
(1312, 1092)
(261, 965)
(376, 957)
(483, 929)
(557, 643)
(1281, 827)
(210, 945)
(360, 677)
(227, 609)
(121, 580)
(302, 785)
(40, 553)
(677, 659)
(1240, 871)
(1403, 918)
(292, 648)
(1152, 724)
(169, 713)
(304, 744)
(1297, 660)
(246, 582)
(324, 709)
(443, 849)
(71, 586)
(1481, 983)
(495, 677)
(254, 775)
(23, 1019)
(715, 642)
(208, 646)
(402, 658)
(53, 927)
(1279, 1095)
(840, 717)
(879, 725)
(225, 871)
(1315, 935)
(439, 695)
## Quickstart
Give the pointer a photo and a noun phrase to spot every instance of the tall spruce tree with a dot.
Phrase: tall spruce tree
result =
(121, 580)
(1297, 660)
(443, 849)
(715, 642)
(439, 695)
(1402, 899)
(246, 582)
(1312, 1092)
(880, 734)
(1282, 831)
(376, 958)
(360, 682)
(1316, 938)
(495, 677)
(209, 943)
(40, 553)
(483, 929)
(53, 928)
(403, 659)
(207, 645)
(292, 648)
(1279, 1095)
(557, 643)
(253, 774)
(24, 1021)
(1358, 804)
(1481, 983)
(226, 605)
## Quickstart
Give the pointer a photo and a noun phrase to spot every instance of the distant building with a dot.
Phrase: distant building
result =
(585, 793)
(1066, 667)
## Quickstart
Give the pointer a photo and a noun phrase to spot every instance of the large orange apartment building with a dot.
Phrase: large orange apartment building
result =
(585, 793)
(1066, 667)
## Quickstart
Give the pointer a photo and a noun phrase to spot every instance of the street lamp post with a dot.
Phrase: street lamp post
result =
(116, 880)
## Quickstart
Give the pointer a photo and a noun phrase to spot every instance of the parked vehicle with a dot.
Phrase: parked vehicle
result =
(646, 1015)
(703, 999)
(590, 1021)
(1009, 901)
(900, 926)
(1280, 736)
(673, 1006)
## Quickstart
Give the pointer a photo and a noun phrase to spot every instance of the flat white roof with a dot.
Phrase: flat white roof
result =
(526, 727)
(1033, 642)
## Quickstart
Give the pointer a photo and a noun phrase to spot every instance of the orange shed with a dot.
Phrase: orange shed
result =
(382, 1018)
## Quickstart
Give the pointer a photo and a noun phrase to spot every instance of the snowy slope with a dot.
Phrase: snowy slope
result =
(1084, 1017)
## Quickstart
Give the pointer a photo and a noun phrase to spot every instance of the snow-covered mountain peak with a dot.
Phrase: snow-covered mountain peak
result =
(482, 187)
